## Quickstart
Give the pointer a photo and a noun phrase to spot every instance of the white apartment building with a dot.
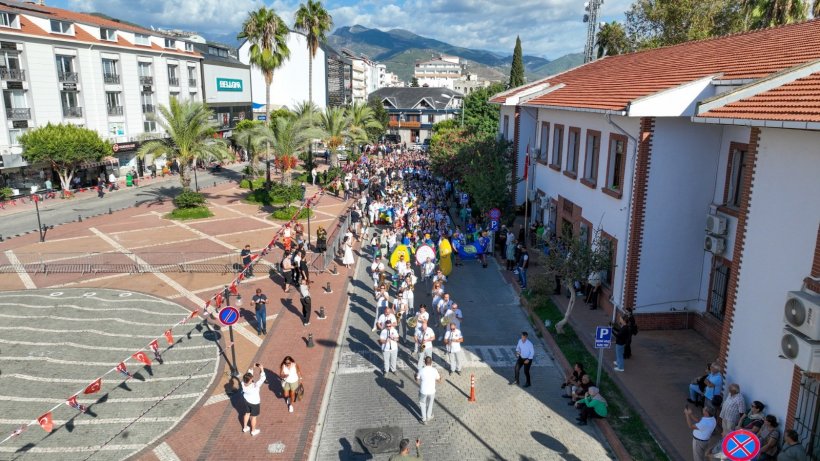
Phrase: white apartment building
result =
(440, 72)
(469, 83)
(58, 66)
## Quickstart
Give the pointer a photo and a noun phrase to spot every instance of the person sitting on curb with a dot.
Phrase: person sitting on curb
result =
(573, 380)
(592, 406)
(580, 391)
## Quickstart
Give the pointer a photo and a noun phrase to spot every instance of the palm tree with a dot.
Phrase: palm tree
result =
(254, 140)
(815, 9)
(335, 127)
(361, 118)
(611, 39)
(291, 135)
(268, 35)
(314, 20)
(769, 13)
(190, 136)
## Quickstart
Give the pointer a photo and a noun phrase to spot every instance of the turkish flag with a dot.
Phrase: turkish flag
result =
(241, 276)
(234, 290)
(46, 422)
(154, 345)
(72, 402)
(94, 387)
(123, 369)
(141, 357)
(527, 163)
(219, 300)
(169, 336)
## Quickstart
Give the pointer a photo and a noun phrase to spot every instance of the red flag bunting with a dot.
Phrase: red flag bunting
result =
(219, 300)
(154, 345)
(94, 387)
(207, 303)
(123, 369)
(46, 422)
(234, 290)
(169, 336)
(142, 357)
(72, 402)
(241, 276)
(194, 313)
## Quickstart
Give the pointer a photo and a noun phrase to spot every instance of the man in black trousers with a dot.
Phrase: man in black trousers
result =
(525, 351)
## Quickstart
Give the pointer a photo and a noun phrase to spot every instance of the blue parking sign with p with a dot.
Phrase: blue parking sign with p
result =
(494, 225)
(603, 337)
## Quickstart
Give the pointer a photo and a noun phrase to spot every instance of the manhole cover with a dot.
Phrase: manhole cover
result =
(276, 448)
(380, 439)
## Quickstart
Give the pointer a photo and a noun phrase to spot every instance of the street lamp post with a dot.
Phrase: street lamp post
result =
(41, 228)
(196, 181)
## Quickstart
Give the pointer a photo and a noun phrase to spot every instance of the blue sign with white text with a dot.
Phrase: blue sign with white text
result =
(603, 337)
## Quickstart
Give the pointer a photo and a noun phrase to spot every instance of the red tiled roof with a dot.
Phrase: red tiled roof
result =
(72, 16)
(500, 97)
(613, 82)
(798, 101)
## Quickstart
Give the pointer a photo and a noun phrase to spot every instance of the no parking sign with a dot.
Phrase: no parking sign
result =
(229, 315)
(741, 445)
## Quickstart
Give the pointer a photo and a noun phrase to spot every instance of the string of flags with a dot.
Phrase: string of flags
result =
(46, 421)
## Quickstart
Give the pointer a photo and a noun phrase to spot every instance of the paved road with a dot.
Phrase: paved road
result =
(55, 212)
(507, 422)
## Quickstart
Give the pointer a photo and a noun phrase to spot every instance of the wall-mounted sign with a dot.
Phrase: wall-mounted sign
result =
(69, 87)
(228, 84)
(124, 146)
(262, 117)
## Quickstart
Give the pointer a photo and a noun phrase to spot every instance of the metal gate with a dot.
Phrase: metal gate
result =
(806, 418)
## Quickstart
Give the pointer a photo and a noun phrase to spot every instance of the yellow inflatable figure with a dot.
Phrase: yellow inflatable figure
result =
(401, 250)
(445, 261)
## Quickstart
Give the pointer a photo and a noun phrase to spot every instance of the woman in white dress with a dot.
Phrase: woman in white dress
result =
(347, 260)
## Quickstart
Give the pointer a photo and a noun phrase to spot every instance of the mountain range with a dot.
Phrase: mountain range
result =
(399, 49)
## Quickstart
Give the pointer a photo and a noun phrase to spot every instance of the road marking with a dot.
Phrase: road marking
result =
(50, 379)
(83, 308)
(256, 218)
(93, 364)
(164, 452)
(9, 398)
(276, 447)
(86, 346)
(99, 421)
(71, 319)
(150, 299)
(203, 234)
(24, 277)
(216, 399)
(64, 449)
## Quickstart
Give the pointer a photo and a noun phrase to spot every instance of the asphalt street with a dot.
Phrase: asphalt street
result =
(54, 212)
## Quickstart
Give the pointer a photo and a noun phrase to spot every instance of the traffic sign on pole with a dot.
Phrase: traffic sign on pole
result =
(494, 225)
(229, 315)
(494, 214)
(603, 337)
(741, 445)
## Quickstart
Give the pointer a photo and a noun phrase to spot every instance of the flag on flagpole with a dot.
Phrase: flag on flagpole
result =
(94, 387)
(527, 163)
(46, 422)
(123, 369)
(72, 402)
(169, 336)
(142, 357)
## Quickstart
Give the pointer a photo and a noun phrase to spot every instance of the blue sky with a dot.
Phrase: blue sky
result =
(548, 28)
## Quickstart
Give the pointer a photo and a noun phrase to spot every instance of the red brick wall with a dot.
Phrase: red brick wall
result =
(639, 188)
(706, 325)
(709, 327)
(740, 240)
(815, 267)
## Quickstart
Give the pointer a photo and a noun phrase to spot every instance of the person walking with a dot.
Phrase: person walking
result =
(427, 378)
(260, 302)
(404, 451)
(250, 391)
(622, 336)
(306, 302)
(525, 352)
(389, 339)
(701, 431)
(523, 264)
(246, 260)
(452, 341)
(348, 260)
(291, 376)
(424, 339)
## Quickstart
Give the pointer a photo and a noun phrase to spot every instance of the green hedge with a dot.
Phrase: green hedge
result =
(189, 199)
(279, 194)
(284, 214)
(6, 193)
(257, 183)
(184, 214)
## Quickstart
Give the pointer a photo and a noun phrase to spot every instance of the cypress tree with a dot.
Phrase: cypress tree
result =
(517, 69)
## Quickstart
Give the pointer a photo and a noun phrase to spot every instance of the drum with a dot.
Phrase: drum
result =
(423, 252)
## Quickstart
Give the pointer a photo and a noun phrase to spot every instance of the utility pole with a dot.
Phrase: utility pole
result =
(591, 18)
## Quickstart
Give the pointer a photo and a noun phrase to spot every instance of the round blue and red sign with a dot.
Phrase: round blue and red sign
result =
(741, 445)
(494, 214)
(229, 315)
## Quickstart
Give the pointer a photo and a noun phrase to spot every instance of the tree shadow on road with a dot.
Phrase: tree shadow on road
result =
(156, 197)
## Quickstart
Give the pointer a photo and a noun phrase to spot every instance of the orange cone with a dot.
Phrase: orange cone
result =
(472, 388)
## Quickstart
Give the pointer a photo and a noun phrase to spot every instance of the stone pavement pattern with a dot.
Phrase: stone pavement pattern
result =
(56, 342)
(507, 422)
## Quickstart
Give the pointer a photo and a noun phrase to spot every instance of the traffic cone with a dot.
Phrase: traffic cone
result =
(472, 388)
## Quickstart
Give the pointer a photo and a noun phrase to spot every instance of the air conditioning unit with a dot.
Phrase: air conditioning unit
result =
(802, 312)
(715, 224)
(804, 352)
(713, 244)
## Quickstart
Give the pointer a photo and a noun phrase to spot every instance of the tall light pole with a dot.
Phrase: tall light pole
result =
(591, 18)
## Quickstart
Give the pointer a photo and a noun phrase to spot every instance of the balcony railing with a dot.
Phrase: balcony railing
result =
(12, 74)
(18, 113)
(404, 124)
(72, 112)
(111, 79)
(173, 81)
(191, 82)
(114, 110)
(147, 108)
(146, 80)
(68, 77)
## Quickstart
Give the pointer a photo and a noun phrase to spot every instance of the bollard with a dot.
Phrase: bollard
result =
(1, 237)
(327, 288)
(322, 314)
(334, 271)
(109, 211)
(310, 340)
(472, 388)
(79, 218)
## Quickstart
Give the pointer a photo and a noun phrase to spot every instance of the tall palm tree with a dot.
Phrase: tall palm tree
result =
(291, 135)
(335, 126)
(314, 20)
(190, 136)
(815, 9)
(361, 118)
(253, 140)
(268, 36)
(768, 13)
(611, 39)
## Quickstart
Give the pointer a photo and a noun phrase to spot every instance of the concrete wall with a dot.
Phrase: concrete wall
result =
(780, 240)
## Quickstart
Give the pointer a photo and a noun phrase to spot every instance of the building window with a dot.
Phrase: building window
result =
(718, 290)
(734, 175)
(192, 95)
(431, 118)
(806, 421)
(71, 104)
(108, 34)
(174, 94)
(584, 233)
(170, 43)
(110, 74)
(149, 126)
(213, 50)
(615, 165)
(7, 20)
(611, 244)
(142, 39)
(173, 75)
(112, 102)
(14, 136)
(505, 130)
(189, 46)
(593, 147)
(147, 100)
(573, 147)
(60, 27)
(557, 147)
(191, 76)
(65, 69)
(544, 141)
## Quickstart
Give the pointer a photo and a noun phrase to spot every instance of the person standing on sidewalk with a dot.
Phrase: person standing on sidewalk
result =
(250, 391)
(427, 378)
(305, 300)
(389, 339)
(701, 431)
(404, 451)
(260, 302)
(525, 353)
(622, 336)
(291, 376)
(246, 260)
(523, 264)
(453, 340)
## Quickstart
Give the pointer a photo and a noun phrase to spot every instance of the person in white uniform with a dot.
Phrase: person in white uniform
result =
(424, 338)
(427, 378)
(452, 341)
(389, 339)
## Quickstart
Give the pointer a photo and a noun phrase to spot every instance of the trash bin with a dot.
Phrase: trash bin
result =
(129, 180)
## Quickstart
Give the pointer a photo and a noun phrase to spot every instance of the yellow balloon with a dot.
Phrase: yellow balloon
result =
(401, 250)
(446, 265)
(444, 248)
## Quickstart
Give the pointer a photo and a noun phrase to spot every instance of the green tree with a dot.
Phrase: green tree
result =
(190, 133)
(517, 68)
(611, 40)
(279, 113)
(64, 147)
(449, 124)
(760, 14)
(362, 120)
(654, 23)
(314, 20)
(414, 82)
(335, 125)
(481, 117)
(488, 164)
(291, 135)
(380, 115)
(254, 138)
